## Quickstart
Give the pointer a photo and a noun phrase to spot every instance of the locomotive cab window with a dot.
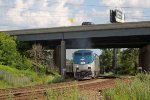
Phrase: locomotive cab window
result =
(78, 54)
(87, 54)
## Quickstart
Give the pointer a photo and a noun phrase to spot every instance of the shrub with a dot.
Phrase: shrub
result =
(56, 78)
(8, 51)
(139, 89)
(9, 55)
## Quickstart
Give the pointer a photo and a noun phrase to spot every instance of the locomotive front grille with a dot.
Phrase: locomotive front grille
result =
(83, 74)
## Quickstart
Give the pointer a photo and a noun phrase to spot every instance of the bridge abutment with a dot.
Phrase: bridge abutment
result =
(145, 58)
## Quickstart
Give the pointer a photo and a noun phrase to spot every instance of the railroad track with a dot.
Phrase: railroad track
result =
(39, 90)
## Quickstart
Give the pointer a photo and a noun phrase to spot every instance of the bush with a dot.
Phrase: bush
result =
(9, 55)
(56, 78)
(8, 51)
(139, 89)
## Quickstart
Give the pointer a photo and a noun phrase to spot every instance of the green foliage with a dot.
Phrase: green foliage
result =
(56, 78)
(106, 59)
(9, 55)
(8, 51)
(4, 84)
(127, 60)
(12, 77)
(137, 90)
(15, 78)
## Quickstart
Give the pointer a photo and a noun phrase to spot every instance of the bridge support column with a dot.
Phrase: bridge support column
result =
(56, 57)
(114, 64)
(63, 58)
(60, 58)
(144, 58)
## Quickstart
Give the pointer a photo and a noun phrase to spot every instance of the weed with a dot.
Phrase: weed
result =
(139, 89)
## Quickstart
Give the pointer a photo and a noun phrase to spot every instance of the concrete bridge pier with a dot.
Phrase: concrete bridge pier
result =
(144, 58)
(63, 58)
(60, 58)
(56, 57)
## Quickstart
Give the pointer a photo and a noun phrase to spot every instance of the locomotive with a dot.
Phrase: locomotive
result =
(85, 64)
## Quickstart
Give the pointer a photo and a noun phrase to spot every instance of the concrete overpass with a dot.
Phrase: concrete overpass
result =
(134, 34)
(117, 35)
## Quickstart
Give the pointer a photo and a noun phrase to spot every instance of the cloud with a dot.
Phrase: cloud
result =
(18, 14)
(115, 3)
(135, 7)
(76, 2)
(131, 3)
(37, 14)
(96, 13)
(80, 17)
(138, 3)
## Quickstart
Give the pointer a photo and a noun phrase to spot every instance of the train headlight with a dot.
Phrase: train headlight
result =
(77, 66)
(89, 66)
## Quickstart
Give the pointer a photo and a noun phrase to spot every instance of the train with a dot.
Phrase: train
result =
(85, 64)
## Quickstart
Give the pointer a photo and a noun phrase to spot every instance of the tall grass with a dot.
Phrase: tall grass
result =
(16, 78)
(56, 78)
(11, 77)
(138, 89)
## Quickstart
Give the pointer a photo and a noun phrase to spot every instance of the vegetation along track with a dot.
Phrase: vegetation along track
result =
(39, 90)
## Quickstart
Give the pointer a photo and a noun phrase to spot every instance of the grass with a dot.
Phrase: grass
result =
(56, 78)
(4, 84)
(139, 89)
(63, 94)
(11, 77)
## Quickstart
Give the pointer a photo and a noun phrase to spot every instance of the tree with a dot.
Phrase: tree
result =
(8, 53)
(129, 61)
(41, 59)
(37, 57)
(106, 59)
(8, 50)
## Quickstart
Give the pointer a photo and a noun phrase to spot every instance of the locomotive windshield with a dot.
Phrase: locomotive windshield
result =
(87, 54)
(78, 54)
(83, 57)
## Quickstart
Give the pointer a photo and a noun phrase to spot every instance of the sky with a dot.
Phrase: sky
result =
(28, 14)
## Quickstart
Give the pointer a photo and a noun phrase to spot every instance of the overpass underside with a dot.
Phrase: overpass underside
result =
(109, 42)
